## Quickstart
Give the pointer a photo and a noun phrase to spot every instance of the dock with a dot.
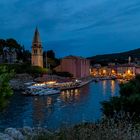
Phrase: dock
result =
(78, 86)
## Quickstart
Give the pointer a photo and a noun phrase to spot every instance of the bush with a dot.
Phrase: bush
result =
(107, 129)
(26, 68)
(5, 88)
(129, 100)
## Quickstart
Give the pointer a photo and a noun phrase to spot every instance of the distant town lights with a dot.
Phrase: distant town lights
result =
(129, 71)
(104, 71)
(113, 71)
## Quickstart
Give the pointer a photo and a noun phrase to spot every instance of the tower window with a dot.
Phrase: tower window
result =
(35, 51)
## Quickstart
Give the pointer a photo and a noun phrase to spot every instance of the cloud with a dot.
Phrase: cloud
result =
(73, 24)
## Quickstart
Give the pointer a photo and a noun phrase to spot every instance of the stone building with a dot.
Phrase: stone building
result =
(79, 67)
(120, 70)
(8, 56)
(37, 50)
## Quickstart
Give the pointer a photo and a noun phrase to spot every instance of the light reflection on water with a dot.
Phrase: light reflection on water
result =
(68, 108)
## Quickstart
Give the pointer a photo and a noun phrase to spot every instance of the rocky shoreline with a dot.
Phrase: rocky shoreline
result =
(108, 129)
(17, 83)
(25, 133)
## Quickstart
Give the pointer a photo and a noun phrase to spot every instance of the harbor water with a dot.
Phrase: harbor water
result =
(55, 111)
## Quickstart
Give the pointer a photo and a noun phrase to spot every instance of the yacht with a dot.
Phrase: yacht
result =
(40, 90)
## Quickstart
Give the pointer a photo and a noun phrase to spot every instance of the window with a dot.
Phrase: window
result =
(35, 51)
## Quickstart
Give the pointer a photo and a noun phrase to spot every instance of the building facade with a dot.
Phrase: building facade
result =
(120, 71)
(37, 50)
(8, 56)
(79, 67)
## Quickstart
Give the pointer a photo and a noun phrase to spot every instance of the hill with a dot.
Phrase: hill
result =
(115, 57)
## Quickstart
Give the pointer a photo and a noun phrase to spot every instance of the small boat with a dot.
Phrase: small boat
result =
(40, 91)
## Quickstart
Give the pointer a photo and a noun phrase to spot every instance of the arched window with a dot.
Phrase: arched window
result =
(35, 51)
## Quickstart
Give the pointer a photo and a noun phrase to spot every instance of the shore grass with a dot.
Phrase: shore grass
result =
(108, 129)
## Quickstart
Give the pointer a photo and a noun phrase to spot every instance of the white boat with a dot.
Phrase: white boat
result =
(48, 92)
(41, 90)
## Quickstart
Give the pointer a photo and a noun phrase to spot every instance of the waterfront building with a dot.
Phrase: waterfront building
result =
(79, 67)
(8, 56)
(137, 71)
(98, 70)
(120, 71)
(126, 69)
(37, 50)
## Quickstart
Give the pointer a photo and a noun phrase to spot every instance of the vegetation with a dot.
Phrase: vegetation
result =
(26, 68)
(5, 89)
(11, 44)
(107, 129)
(50, 61)
(128, 101)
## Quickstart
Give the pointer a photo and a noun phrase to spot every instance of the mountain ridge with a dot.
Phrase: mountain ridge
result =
(115, 57)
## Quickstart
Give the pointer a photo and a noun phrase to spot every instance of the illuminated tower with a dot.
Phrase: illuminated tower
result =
(129, 60)
(37, 50)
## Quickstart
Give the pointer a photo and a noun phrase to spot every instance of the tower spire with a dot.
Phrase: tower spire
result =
(36, 39)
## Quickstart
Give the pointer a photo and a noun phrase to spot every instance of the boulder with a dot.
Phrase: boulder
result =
(14, 133)
(17, 83)
(27, 131)
(5, 137)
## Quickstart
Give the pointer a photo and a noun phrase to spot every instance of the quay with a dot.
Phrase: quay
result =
(78, 86)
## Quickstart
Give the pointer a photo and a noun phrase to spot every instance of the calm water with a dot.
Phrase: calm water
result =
(67, 108)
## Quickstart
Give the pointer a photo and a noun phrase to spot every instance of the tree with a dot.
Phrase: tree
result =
(24, 55)
(12, 44)
(5, 88)
(128, 101)
(51, 54)
(49, 59)
(2, 45)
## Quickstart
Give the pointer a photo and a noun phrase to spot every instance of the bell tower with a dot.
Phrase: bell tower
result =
(37, 50)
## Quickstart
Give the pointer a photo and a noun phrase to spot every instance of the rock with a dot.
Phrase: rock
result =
(41, 131)
(18, 81)
(14, 133)
(5, 137)
(27, 130)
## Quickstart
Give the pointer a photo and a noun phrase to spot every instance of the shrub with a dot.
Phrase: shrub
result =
(26, 68)
(5, 88)
(129, 100)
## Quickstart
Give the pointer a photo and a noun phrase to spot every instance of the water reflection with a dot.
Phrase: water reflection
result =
(104, 86)
(70, 95)
(49, 101)
(38, 113)
(71, 106)
(113, 87)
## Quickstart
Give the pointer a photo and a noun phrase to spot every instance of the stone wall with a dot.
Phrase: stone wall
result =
(18, 81)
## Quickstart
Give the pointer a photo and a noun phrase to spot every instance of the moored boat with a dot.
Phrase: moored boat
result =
(40, 91)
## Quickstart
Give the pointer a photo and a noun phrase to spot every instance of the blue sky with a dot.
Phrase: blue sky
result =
(78, 27)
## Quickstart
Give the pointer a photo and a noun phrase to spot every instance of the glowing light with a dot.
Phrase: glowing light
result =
(76, 80)
(113, 87)
(129, 71)
(76, 91)
(51, 82)
(113, 71)
(104, 87)
(49, 101)
(104, 71)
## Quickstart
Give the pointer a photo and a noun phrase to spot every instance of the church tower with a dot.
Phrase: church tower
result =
(37, 50)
